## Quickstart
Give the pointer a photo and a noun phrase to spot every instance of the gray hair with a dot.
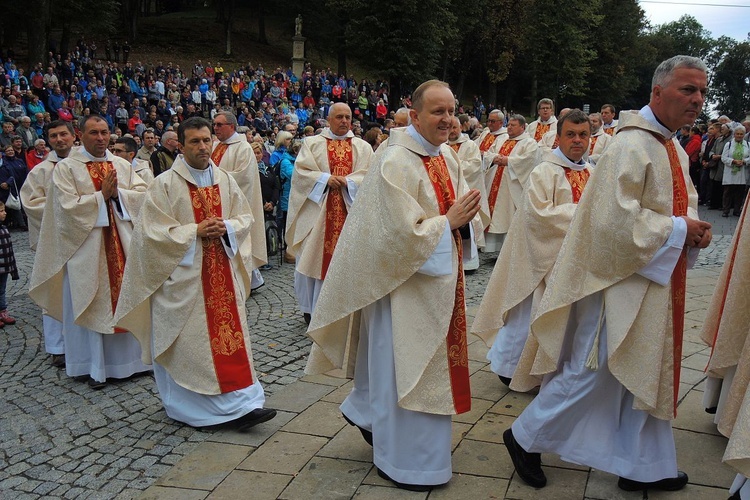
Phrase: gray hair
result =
(231, 119)
(497, 112)
(519, 118)
(282, 137)
(402, 111)
(665, 70)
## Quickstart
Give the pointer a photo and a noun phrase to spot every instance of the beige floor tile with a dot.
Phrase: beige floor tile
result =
(603, 486)
(478, 408)
(486, 385)
(691, 492)
(691, 376)
(512, 404)
(206, 466)
(327, 478)
(370, 492)
(697, 361)
(339, 395)
(321, 419)
(490, 428)
(482, 459)
(552, 460)
(692, 416)
(475, 366)
(298, 396)
(164, 493)
(324, 380)
(689, 348)
(458, 432)
(478, 351)
(465, 486)
(257, 435)
(561, 484)
(348, 444)
(700, 456)
(284, 453)
(255, 485)
(375, 480)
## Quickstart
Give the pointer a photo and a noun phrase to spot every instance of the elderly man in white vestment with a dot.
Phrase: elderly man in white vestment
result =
(83, 243)
(327, 173)
(608, 330)
(546, 121)
(187, 307)
(520, 275)
(492, 137)
(506, 179)
(126, 148)
(61, 137)
(599, 139)
(609, 124)
(405, 289)
(234, 155)
(471, 163)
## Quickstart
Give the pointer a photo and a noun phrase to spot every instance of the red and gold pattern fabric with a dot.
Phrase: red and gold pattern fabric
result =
(455, 147)
(223, 319)
(505, 150)
(340, 161)
(458, 360)
(592, 144)
(218, 153)
(610, 131)
(487, 142)
(541, 129)
(577, 180)
(115, 254)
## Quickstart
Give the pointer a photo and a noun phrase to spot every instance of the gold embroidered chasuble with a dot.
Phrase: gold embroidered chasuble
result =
(73, 204)
(471, 163)
(236, 157)
(168, 302)
(306, 220)
(494, 148)
(623, 218)
(537, 129)
(397, 202)
(34, 195)
(531, 246)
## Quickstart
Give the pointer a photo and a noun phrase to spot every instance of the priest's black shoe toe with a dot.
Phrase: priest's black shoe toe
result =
(255, 417)
(528, 465)
(404, 486)
(667, 484)
(505, 380)
(367, 435)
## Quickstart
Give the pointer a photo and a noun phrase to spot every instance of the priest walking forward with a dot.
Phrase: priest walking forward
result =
(187, 307)
(327, 174)
(34, 196)
(397, 274)
(506, 178)
(83, 242)
(609, 326)
(520, 275)
(234, 155)
(492, 138)
(546, 121)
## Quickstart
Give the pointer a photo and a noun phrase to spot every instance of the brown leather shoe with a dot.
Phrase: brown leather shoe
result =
(6, 318)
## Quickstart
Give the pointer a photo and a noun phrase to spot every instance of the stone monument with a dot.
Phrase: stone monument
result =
(298, 50)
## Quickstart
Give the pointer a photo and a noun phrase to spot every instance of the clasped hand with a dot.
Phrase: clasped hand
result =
(464, 209)
(698, 233)
(211, 228)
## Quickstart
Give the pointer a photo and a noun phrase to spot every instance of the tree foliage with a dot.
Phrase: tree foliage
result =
(732, 81)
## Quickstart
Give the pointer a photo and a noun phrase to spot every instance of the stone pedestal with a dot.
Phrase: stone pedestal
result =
(298, 55)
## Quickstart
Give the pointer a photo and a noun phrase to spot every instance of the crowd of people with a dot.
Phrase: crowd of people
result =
(168, 182)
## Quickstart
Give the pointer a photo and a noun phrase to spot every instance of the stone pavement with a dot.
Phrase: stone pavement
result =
(58, 438)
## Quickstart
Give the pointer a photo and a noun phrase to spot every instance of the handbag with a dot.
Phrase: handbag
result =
(13, 202)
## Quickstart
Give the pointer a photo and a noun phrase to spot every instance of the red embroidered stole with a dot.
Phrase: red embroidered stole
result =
(609, 131)
(458, 358)
(223, 320)
(556, 143)
(505, 150)
(577, 180)
(593, 143)
(679, 275)
(115, 255)
(456, 146)
(218, 153)
(487, 142)
(541, 129)
(340, 163)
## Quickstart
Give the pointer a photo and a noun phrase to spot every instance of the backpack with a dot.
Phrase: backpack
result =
(272, 238)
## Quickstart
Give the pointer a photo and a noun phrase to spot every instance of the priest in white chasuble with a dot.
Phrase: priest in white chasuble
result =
(187, 307)
(83, 243)
(599, 139)
(536, 234)
(492, 137)
(546, 121)
(506, 179)
(608, 329)
(392, 311)
(471, 164)
(234, 155)
(327, 174)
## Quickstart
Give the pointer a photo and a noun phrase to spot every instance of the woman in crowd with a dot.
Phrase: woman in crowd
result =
(736, 159)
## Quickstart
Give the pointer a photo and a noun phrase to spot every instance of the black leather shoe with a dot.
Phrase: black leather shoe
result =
(505, 380)
(404, 486)
(668, 484)
(367, 435)
(528, 465)
(96, 385)
(58, 360)
(307, 317)
(255, 417)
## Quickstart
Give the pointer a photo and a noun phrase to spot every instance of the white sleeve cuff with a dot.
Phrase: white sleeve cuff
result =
(660, 269)
(102, 218)
(350, 193)
(319, 189)
(439, 263)
(229, 240)
(120, 209)
(187, 260)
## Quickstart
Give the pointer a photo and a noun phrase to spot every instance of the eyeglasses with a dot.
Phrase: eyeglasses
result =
(117, 150)
(493, 121)
(220, 124)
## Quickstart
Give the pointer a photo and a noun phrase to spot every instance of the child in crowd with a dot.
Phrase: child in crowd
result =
(7, 267)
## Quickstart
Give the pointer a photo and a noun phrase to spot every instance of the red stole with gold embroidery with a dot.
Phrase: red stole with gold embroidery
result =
(541, 129)
(458, 360)
(577, 180)
(456, 146)
(115, 254)
(218, 153)
(505, 150)
(593, 143)
(487, 142)
(340, 163)
(223, 320)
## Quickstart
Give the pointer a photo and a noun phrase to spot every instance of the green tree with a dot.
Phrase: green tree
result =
(731, 82)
